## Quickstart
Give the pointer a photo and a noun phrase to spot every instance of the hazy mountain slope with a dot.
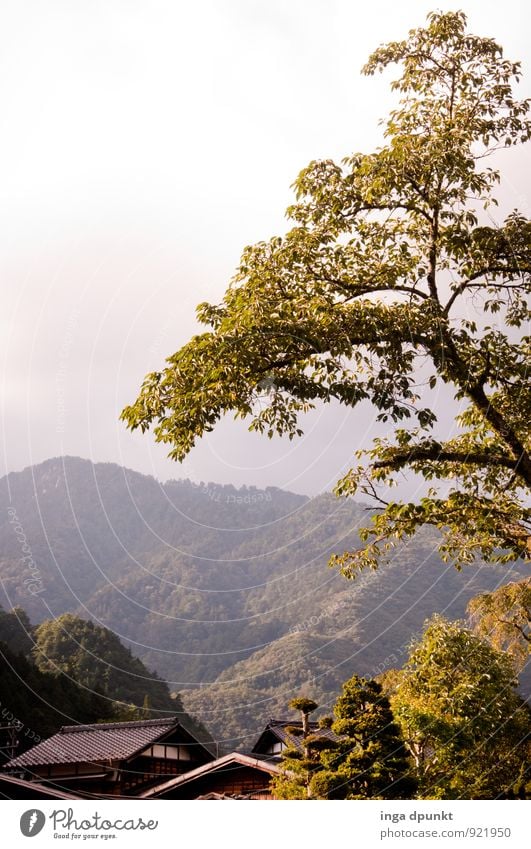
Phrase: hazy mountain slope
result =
(363, 630)
(197, 578)
(239, 704)
(194, 616)
(80, 525)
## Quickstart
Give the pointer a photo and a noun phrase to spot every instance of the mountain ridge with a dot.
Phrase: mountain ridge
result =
(198, 579)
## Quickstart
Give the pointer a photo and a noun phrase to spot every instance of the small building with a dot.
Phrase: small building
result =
(112, 759)
(238, 775)
(234, 776)
(276, 737)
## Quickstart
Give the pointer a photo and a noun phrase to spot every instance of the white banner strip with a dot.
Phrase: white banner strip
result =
(165, 823)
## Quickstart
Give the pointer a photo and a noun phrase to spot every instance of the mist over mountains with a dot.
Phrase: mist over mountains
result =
(224, 592)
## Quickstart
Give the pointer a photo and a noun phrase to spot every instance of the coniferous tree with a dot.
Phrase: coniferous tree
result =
(370, 760)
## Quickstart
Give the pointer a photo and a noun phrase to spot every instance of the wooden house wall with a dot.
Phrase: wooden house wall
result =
(234, 781)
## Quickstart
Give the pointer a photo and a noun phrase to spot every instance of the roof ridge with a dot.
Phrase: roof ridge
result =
(110, 726)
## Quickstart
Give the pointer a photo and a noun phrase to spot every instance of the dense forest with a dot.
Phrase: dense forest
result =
(68, 671)
(225, 593)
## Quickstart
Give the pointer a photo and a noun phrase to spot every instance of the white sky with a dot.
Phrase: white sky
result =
(143, 144)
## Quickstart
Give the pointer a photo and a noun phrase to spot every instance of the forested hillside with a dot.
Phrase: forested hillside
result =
(225, 593)
(69, 671)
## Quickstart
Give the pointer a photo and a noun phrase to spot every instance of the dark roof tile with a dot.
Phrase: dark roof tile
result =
(100, 742)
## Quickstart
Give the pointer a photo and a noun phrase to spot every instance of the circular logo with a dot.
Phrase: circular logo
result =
(31, 822)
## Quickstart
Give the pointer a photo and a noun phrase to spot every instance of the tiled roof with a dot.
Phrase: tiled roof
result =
(233, 760)
(16, 788)
(100, 742)
(278, 728)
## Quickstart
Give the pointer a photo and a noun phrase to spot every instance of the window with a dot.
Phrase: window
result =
(275, 748)
(168, 752)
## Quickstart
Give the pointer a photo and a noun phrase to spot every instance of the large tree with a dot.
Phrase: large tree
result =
(466, 727)
(393, 280)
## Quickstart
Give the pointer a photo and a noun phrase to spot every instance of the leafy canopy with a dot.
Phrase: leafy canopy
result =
(503, 617)
(460, 715)
(95, 658)
(392, 281)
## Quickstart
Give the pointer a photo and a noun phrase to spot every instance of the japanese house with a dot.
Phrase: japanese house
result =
(276, 737)
(234, 776)
(151, 759)
(115, 759)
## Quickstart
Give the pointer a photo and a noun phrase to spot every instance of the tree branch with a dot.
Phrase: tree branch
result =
(380, 207)
(483, 272)
(519, 628)
(436, 452)
(369, 291)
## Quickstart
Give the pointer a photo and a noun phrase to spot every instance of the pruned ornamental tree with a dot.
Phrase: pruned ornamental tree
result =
(393, 280)
(301, 759)
(356, 754)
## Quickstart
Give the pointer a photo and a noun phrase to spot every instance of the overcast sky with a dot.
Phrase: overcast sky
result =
(143, 144)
